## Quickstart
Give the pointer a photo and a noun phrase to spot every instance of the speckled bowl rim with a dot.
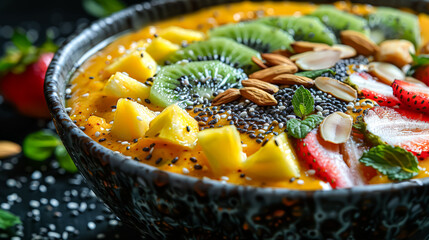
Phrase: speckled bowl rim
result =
(53, 91)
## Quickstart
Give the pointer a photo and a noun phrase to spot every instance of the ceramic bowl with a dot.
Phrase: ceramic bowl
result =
(166, 205)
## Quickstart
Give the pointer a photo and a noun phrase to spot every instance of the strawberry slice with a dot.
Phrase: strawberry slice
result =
(399, 127)
(413, 96)
(372, 89)
(325, 158)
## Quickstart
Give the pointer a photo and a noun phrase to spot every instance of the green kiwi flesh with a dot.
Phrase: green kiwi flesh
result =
(223, 49)
(258, 36)
(305, 28)
(193, 83)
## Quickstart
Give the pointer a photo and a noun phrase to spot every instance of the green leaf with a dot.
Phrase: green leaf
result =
(8, 220)
(315, 73)
(302, 102)
(418, 61)
(395, 162)
(102, 8)
(64, 159)
(20, 40)
(299, 129)
(40, 145)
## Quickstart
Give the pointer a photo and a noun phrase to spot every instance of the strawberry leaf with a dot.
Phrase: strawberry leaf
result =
(299, 129)
(102, 8)
(395, 162)
(40, 145)
(8, 220)
(315, 73)
(302, 102)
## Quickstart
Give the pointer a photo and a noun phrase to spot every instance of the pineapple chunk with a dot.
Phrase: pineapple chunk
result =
(137, 64)
(160, 48)
(120, 85)
(174, 125)
(276, 160)
(178, 35)
(222, 147)
(131, 120)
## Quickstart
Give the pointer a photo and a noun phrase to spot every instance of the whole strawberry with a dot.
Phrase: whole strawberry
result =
(422, 74)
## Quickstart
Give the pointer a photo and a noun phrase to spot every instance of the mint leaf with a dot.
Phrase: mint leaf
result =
(20, 40)
(8, 220)
(64, 159)
(395, 162)
(315, 73)
(40, 145)
(302, 102)
(418, 61)
(102, 8)
(299, 129)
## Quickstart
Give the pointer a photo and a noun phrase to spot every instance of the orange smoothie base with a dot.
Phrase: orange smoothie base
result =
(93, 110)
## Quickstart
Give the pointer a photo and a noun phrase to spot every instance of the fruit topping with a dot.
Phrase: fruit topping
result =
(336, 128)
(385, 72)
(122, 86)
(269, 73)
(319, 60)
(336, 88)
(193, 83)
(360, 42)
(276, 160)
(291, 79)
(180, 35)
(412, 95)
(346, 51)
(174, 125)
(397, 52)
(302, 47)
(131, 120)
(222, 148)
(267, 87)
(160, 48)
(229, 95)
(273, 59)
(258, 96)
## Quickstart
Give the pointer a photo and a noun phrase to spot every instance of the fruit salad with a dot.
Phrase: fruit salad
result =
(291, 95)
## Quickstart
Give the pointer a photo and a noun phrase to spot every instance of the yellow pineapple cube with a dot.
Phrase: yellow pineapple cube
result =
(178, 35)
(121, 85)
(131, 120)
(276, 160)
(222, 147)
(160, 48)
(137, 64)
(174, 125)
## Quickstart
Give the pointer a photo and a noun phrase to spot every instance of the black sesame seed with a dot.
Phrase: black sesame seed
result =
(148, 157)
(175, 160)
(188, 128)
(101, 139)
(147, 101)
(193, 159)
(146, 149)
(198, 167)
(158, 161)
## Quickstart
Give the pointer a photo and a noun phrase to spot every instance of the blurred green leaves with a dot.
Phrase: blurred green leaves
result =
(102, 8)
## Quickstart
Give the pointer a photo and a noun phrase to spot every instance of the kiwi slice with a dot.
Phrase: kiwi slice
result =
(305, 28)
(223, 49)
(258, 36)
(193, 82)
(339, 20)
(390, 23)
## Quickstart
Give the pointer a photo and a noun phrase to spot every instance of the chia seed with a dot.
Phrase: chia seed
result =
(342, 66)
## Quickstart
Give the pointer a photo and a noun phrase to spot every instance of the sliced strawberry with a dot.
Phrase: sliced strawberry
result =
(422, 74)
(375, 90)
(399, 127)
(413, 96)
(325, 158)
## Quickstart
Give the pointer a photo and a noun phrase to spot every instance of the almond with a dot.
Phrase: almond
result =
(415, 81)
(296, 57)
(336, 88)
(346, 51)
(258, 96)
(385, 72)
(9, 149)
(302, 46)
(228, 96)
(290, 79)
(361, 43)
(336, 128)
(425, 49)
(397, 52)
(271, 72)
(267, 87)
(259, 62)
(317, 60)
(283, 52)
(276, 59)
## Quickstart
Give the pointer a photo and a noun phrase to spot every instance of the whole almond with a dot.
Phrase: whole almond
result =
(276, 59)
(258, 96)
(228, 96)
(259, 62)
(9, 149)
(283, 52)
(302, 46)
(271, 72)
(361, 43)
(290, 79)
(267, 87)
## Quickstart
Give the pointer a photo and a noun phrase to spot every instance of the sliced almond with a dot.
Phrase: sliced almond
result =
(359, 41)
(259, 62)
(336, 88)
(336, 127)
(290, 79)
(302, 46)
(346, 51)
(415, 81)
(385, 72)
(276, 59)
(295, 57)
(9, 149)
(319, 60)
(227, 96)
(396, 51)
(267, 87)
(273, 71)
(258, 96)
